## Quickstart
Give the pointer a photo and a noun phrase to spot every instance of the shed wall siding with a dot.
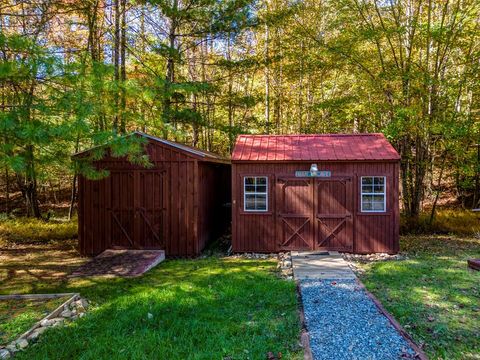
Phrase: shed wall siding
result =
(372, 232)
(161, 202)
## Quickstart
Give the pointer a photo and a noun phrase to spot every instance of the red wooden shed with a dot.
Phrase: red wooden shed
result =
(315, 192)
(178, 205)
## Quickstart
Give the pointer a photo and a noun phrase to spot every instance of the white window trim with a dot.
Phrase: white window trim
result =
(255, 193)
(384, 194)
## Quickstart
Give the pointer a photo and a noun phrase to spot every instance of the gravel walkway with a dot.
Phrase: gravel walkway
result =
(344, 323)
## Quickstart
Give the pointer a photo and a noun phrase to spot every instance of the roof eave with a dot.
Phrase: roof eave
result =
(197, 154)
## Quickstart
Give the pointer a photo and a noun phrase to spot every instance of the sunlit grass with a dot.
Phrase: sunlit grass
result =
(210, 308)
(433, 294)
(30, 230)
(462, 222)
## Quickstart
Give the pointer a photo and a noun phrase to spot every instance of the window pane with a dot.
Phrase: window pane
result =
(366, 199)
(262, 188)
(255, 193)
(367, 207)
(366, 202)
(261, 181)
(249, 181)
(261, 201)
(374, 186)
(378, 206)
(367, 188)
(367, 180)
(249, 202)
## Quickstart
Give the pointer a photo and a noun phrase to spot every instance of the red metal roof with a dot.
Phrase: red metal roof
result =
(320, 147)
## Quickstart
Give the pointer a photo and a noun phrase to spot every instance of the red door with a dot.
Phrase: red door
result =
(333, 213)
(120, 210)
(295, 214)
(136, 209)
(315, 213)
(150, 209)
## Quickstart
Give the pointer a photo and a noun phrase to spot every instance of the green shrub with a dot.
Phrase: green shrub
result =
(461, 222)
(29, 230)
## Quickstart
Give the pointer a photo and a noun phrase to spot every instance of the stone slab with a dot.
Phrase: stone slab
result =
(311, 265)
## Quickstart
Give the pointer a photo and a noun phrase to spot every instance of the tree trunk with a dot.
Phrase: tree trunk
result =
(73, 196)
(28, 185)
(267, 78)
(7, 191)
(170, 75)
(300, 92)
(30, 194)
(437, 193)
(116, 61)
(230, 98)
(123, 71)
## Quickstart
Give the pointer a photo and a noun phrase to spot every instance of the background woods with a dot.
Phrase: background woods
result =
(74, 74)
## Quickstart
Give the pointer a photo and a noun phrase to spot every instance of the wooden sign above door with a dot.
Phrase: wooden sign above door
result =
(323, 173)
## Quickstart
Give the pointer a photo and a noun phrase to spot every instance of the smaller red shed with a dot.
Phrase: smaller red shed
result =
(178, 205)
(315, 192)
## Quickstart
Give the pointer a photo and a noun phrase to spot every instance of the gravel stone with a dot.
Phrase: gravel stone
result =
(83, 303)
(46, 322)
(22, 343)
(66, 313)
(36, 333)
(344, 323)
(4, 354)
(58, 321)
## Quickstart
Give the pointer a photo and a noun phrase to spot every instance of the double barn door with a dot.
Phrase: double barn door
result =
(136, 209)
(315, 213)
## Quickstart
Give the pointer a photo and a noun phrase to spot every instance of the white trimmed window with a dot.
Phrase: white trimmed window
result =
(255, 193)
(373, 194)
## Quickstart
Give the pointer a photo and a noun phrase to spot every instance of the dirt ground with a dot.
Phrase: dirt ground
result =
(34, 268)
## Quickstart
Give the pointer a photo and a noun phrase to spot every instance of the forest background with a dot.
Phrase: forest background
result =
(78, 73)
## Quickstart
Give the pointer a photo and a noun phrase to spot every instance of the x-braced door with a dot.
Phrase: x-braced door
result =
(150, 210)
(120, 206)
(295, 221)
(333, 213)
(137, 209)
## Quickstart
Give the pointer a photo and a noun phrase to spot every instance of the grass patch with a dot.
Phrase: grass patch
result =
(433, 294)
(37, 268)
(17, 316)
(460, 222)
(211, 308)
(199, 309)
(30, 230)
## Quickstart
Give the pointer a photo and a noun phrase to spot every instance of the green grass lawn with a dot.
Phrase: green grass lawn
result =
(184, 309)
(433, 294)
(17, 316)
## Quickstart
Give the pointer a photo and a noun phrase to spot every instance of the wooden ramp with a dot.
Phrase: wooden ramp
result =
(120, 263)
(474, 264)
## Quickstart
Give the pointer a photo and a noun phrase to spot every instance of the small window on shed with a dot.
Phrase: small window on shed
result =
(255, 193)
(373, 194)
